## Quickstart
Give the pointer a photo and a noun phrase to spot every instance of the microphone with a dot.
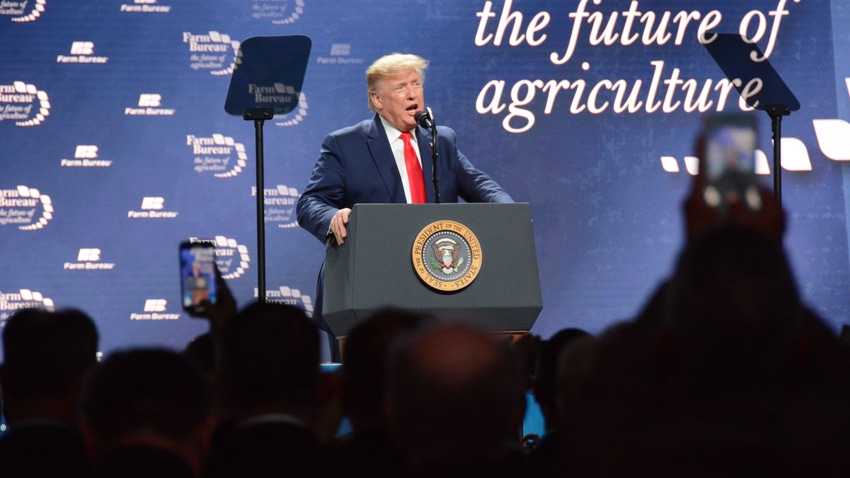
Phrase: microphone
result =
(424, 119)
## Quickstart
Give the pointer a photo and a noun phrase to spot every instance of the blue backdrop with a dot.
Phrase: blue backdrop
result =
(115, 146)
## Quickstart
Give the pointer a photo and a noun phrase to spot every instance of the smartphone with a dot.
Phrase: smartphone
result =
(197, 275)
(730, 161)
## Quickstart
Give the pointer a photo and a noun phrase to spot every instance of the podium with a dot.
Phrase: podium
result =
(470, 263)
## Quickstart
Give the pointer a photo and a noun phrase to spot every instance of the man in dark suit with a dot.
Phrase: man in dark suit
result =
(366, 163)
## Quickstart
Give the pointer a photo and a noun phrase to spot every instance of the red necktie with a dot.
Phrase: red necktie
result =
(414, 171)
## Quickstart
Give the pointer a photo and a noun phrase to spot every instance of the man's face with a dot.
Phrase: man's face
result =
(399, 97)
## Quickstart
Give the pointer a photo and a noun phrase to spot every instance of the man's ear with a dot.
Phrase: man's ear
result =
(376, 100)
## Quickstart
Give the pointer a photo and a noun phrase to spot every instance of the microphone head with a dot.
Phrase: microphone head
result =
(424, 119)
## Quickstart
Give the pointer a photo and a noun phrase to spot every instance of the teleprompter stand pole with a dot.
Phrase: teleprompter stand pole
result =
(274, 65)
(258, 116)
(776, 112)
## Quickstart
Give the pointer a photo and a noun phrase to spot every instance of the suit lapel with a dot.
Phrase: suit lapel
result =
(382, 156)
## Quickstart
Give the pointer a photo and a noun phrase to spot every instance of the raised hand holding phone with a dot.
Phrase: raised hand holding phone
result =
(729, 155)
(197, 276)
(743, 199)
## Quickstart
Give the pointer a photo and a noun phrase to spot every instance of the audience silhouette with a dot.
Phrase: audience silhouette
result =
(725, 371)
(545, 386)
(723, 382)
(46, 359)
(369, 449)
(147, 413)
(455, 400)
(266, 380)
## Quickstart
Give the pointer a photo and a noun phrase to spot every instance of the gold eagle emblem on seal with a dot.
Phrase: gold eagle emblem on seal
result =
(446, 256)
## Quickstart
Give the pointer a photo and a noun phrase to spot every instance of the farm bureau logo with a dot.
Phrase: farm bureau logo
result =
(280, 205)
(276, 94)
(18, 9)
(294, 117)
(154, 309)
(289, 296)
(18, 103)
(85, 156)
(20, 206)
(215, 153)
(277, 11)
(210, 52)
(23, 299)
(231, 257)
(152, 208)
(145, 6)
(149, 105)
(339, 55)
(446, 256)
(82, 52)
(88, 259)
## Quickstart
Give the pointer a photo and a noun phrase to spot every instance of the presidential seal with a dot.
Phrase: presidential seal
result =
(446, 256)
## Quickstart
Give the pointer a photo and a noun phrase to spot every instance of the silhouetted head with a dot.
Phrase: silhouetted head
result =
(155, 391)
(46, 353)
(454, 394)
(546, 372)
(365, 359)
(269, 358)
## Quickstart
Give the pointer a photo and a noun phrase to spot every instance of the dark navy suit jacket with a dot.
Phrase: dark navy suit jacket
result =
(357, 166)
